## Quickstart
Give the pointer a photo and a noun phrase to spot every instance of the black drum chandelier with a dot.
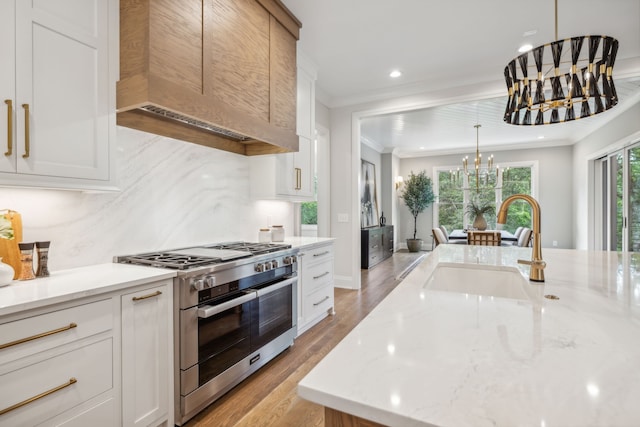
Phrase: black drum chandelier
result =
(578, 86)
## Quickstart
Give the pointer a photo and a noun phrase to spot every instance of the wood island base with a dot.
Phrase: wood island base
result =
(333, 418)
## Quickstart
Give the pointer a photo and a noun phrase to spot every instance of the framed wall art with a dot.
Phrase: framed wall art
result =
(368, 201)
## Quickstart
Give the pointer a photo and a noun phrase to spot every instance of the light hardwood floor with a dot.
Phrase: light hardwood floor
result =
(268, 397)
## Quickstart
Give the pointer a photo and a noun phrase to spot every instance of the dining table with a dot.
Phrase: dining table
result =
(505, 236)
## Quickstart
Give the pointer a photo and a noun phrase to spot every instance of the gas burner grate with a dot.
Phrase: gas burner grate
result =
(170, 260)
(254, 248)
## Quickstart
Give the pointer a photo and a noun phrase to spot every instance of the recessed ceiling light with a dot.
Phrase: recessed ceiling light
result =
(395, 73)
(525, 48)
(541, 137)
(422, 148)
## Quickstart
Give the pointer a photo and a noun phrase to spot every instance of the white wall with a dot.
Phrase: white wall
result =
(554, 191)
(323, 116)
(622, 130)
(174, 194)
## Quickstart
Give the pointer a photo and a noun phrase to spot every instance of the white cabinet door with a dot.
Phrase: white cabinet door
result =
(304, 168)
(146, 348)
(295, 171)
(7, 86)
(62, 89)
(285, 174)
(305, 125)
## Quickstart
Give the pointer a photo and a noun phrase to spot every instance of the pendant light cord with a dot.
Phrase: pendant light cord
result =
(556, 2)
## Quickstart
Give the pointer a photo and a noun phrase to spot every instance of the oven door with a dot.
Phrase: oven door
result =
(273, 312)
(223, 334)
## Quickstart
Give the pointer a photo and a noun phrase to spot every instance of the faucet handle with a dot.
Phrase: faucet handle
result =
(536, 263)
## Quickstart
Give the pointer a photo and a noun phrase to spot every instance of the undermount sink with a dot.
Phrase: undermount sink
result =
(475, 279)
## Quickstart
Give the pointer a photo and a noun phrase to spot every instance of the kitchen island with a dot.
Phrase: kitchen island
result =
(427, 357)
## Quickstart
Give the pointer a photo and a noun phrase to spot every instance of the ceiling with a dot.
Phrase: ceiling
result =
(453, 50)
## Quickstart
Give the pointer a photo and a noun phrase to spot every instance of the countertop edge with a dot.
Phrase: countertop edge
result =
(70, 285)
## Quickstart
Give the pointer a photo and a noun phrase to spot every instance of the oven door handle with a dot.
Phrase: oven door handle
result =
(276, 286)
(211, 310)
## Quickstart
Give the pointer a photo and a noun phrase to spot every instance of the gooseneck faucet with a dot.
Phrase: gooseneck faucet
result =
(537, 264)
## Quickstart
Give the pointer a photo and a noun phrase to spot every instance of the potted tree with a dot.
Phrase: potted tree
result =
(476, 209)
(417, 195)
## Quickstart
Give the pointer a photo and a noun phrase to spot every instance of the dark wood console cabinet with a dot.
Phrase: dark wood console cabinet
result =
(376, 245)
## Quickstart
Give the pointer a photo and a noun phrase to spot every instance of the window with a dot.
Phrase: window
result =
(450, 201)
(619, 196)
(453, 192)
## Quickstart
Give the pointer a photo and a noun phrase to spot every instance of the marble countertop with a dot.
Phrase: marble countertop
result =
(67, 285)
(426, 357)
(307, 242)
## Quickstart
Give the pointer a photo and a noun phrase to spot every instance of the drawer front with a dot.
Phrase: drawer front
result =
(319, 254)
(375, 258)
(101, 415)
(375, 243)
(32, 335)
(318, 302)
(91, 367)
(317, 275)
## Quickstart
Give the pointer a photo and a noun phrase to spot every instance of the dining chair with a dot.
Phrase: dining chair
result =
(438, 236)
(518, 231)
(446, 232)
(484, 238)
(525, 237)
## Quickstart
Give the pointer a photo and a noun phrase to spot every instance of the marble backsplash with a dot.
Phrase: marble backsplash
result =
(173, 194)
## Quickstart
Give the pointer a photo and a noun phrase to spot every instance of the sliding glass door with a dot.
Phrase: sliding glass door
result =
(634, 199)
(620, 199)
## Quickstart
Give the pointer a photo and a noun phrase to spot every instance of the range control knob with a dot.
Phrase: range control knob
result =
(288, 260)
(274, 263)
(198, 285)
(263, 266)
(210, 282)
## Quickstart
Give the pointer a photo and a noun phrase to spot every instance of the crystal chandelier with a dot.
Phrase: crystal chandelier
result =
(587, 84)
(478, 172)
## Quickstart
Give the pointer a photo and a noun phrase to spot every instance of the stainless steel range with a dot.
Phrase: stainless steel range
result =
(234, 310)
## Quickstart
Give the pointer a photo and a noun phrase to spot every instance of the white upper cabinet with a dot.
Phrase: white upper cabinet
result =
(306, 102)
(60, 81)
(291, 176)
(7, 86)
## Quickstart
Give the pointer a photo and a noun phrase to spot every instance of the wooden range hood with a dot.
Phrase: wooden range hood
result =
(220, 73)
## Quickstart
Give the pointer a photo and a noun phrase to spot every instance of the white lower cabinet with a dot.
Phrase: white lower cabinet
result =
(315, 272)
(102, 361)
(145, 356)
(53, 364)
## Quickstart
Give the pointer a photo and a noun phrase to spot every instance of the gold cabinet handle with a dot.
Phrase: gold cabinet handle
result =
(40, 396)
(9, 127)
(38, 336)
(155, 294)
(26, 131)
(298, 179)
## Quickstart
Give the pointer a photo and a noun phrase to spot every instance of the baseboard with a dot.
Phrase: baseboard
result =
(345, 282)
